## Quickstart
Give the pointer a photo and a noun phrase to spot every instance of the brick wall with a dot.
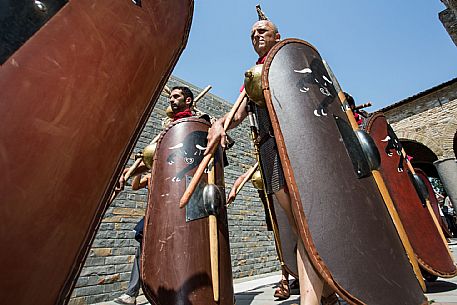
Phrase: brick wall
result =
(430, 119)
(107, 269)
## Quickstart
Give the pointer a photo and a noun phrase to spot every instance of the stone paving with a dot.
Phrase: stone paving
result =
(444, 291)
(259, 290)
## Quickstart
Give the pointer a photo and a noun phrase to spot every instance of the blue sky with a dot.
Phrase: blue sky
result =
(380, 51)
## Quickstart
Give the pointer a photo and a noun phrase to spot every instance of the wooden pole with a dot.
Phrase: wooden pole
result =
(213, 242)
(167, 90)
(204, 163)
(362, 106)
(201, 94)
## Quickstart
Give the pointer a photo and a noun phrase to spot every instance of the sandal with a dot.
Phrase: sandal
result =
(331, 299)
(282, 292)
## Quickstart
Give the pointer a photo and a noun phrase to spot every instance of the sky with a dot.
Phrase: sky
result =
(380, 51)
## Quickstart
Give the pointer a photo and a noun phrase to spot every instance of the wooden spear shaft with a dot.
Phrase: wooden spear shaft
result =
(213, 242)
(167, 89)
(204, 163)
(201, 94)
(362, 106)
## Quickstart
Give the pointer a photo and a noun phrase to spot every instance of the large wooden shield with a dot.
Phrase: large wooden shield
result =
(176, 252)
(434, 202)
(426, 239)
(342, 220)
(74, 96)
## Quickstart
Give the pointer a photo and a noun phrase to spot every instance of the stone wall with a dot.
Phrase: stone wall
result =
(107, 269)
(429, 119)
(448, 18)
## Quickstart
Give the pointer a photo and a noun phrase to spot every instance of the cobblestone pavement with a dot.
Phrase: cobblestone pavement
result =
(259, 291)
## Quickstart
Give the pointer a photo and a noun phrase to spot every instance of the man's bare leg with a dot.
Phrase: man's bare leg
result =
(284, 274)
(311, 284)
(286, 204)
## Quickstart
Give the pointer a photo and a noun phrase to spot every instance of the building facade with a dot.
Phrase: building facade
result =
(426, 124)
(449, 18)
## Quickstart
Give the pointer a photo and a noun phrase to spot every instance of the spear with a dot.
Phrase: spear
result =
(365, 105)
(201, 168)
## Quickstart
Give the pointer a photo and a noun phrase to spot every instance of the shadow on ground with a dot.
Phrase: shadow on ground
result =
(247, 297)
(440, 286)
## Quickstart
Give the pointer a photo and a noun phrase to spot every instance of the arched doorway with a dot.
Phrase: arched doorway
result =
(423, 157)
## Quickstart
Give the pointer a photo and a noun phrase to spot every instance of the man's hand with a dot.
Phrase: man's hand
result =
(232, 195)
(216, 134)
(138, 155)
(235, 186)
(121, 183)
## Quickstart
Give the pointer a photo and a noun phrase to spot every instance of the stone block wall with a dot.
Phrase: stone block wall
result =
(448, 18)
(430, 120)
(107, 269)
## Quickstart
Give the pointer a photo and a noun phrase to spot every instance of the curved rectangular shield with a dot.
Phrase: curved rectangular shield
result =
(175, 265)
(76, 86)
(342, 220)
(426, 240)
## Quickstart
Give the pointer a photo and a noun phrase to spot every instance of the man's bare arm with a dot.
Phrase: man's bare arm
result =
(217, 132)
(140, 181)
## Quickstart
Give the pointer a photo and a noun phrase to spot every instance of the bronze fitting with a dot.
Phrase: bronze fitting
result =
(256, 180)
(253, 85)
(169, 112)
(148, 154)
